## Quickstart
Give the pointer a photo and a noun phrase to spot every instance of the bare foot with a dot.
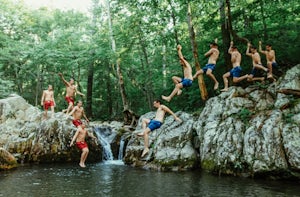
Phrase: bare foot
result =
(216, 86)
(179, 92)
(141, 134)
(224, 90)
(166, 98)
(82, 165)
(269, 76)
(145, 151)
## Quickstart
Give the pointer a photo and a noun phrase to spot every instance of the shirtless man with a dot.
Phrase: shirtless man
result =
(77, 113)
(150, 125)
(256, 62)
(48, 100)
(79, 137)
(213, 55)
(271, 59)
(235, 72)
(71, 89)
(178, 81)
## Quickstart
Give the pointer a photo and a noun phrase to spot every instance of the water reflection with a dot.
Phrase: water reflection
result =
(115, 179)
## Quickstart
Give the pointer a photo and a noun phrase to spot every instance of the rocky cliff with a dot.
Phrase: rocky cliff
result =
(249, 132)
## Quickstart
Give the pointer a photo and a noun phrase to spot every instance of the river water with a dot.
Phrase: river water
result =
(112, 178)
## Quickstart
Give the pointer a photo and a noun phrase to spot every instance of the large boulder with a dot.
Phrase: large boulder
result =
(252, 131)
(7, 160)
(30, 138)
(171, 146)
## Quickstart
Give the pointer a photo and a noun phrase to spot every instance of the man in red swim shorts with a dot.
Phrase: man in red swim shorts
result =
(71, 89)
(77, 113)
(48, 100)
(79, 137)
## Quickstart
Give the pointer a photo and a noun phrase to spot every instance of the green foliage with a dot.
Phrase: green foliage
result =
(244, 115)
(36, 45)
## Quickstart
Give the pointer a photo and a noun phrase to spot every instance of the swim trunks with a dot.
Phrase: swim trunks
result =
(48, 104)
(77, 122)
(254, 71)
(236, 71)
(274, 65)
(208, 66)
(81, 145)
(69, 99)
(154, 124)
(186, 82)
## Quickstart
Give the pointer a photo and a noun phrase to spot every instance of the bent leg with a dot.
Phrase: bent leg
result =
(209, 73)
(198, 73)
(238, 79)
(84, 154)
(225, 79)
(174, 92)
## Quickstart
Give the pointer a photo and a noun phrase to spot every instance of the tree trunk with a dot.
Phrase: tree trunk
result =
(235, 36)
(225, 35)
(290, 92)
(119, 72)
(261, 3)
(201, 83)
(89, 93)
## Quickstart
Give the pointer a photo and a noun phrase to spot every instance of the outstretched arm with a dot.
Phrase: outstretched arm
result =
(63, 79)
(80, 93)
(83, 114)
(43, 97)
(171, 112)
(75, 136)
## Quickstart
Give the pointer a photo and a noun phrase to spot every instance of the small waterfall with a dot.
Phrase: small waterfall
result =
(107, 153)
(121, 148)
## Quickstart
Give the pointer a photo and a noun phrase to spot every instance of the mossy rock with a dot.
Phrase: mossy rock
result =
(7, 160)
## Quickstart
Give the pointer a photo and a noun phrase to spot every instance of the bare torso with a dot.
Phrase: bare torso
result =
(256, 59)
(78, 112)
(71, 91)
(81, 135)
(270, 55)
(214, 55)
(187, 71)
(48, 95)
(236, 59)
(160, 114)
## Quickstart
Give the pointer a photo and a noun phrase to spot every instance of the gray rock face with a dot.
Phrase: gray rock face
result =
(249, 131)
(31, 139)
(171, 145)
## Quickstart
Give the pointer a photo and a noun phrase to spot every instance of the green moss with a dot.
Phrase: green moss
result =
(208, 165)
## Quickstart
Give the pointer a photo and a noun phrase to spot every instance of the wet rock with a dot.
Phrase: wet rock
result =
(7, 160)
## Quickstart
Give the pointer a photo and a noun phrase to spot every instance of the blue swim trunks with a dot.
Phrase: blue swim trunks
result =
(208, 66)
(186, 82)
(236, 71)
(254, 71)
(154, 124)
(274, 65)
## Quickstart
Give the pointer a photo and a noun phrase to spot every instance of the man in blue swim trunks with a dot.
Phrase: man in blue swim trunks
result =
(152, 124)
(271, 59)
(256, 62)
(235, 72)
(213, 55)
(179, 82)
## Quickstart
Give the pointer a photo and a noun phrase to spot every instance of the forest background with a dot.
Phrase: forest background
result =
(123, 53)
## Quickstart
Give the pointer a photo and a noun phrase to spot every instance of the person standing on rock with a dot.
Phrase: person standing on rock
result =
(78, 112)
(79, 137)
(179, 82)
(48, 101)
(213, 55)
(71, 89)
(235, 72)
(149, 125)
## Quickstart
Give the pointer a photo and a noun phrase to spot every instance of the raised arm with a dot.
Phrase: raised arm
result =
(230, 48)
(208, 53)
(179, 48)
(248, 50)
(260, 48)
(63, 79)
(171, 112)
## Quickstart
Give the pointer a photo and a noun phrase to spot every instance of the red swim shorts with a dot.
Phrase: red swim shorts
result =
(69, 99)
(77, 122)
(48, 104)
(81, 145)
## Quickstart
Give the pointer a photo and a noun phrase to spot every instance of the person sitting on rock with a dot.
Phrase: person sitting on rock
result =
(152, 124)
(79, 137)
